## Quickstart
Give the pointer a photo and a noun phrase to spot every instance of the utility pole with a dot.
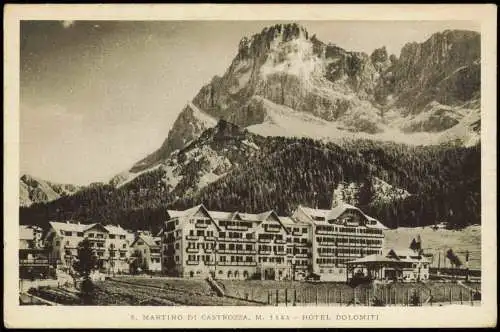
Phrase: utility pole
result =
(215, 257)
(467, 266)
(439, 260)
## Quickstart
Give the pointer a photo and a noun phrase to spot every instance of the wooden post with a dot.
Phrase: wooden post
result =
(341, 297)
(327, 297)
(430, 297)
(316, 297)
(286, 297)
(451, 296)
(294, 297)
(471, 298)
(354, 297)
(268, 297)
(408, 297)
(461, 298)
(277, 300)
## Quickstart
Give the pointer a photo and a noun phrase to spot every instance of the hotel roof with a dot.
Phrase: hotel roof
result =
(336, 212)
(151, 241)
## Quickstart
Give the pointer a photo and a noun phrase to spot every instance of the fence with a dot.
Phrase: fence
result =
(395, 295)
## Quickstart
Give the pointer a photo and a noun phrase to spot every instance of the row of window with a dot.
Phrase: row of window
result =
(264, 247)
(300, 262)
(332, 261)
(201, 232)
(347, 251)
(348, 240)
(339, 229)
(224, 223)
(297, 251)
(277, 260)
(267, 236)
(222, 258)
(297, 230)
(92, 235)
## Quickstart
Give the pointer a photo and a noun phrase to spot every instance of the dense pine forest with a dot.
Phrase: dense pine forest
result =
(444, 183)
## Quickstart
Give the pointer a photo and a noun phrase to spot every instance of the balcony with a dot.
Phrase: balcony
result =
(262, 240)
(33, 262)
(328, 244)
(192, 237)
(236, 228)
(192, 250)
(96, 239)
(236, 263)
(234, 251)
(265, 252)
(192, 262)
(201, 225)
(209, 238)
(280, 241)
(273, 230)
(327, 254)
(280, 253)
(236, 240)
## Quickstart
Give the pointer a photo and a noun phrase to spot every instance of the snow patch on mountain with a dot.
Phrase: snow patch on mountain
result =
(294, 57)
(127, 176)
(201, 116)
(284, 121)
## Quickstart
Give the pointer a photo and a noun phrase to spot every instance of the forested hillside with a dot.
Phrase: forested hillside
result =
(444, 183)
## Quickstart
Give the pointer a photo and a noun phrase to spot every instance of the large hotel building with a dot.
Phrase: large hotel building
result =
(110, 243)
(233, 245)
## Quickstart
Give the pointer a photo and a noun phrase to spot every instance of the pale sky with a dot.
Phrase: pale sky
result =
(98, 96)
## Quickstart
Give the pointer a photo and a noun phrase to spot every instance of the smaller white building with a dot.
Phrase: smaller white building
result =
(146, 252)
(399, 265)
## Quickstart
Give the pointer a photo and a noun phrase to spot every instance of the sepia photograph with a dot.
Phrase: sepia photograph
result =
(333, 164)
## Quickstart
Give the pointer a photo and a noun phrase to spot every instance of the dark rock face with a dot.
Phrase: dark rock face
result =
(445, 68)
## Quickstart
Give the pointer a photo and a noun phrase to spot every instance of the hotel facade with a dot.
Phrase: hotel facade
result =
(111, 244)
(231, 245)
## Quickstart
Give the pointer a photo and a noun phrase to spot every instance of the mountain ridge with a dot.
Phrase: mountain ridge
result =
(35, 190)
(423, 97)
(231, 168)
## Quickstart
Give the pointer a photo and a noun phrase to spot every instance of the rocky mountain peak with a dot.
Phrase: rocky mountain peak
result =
(285, 81)
(260, 43)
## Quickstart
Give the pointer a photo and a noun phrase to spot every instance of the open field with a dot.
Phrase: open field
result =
(163, 291)
(160, 292)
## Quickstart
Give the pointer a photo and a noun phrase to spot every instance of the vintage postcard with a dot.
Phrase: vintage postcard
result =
(250, 165)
